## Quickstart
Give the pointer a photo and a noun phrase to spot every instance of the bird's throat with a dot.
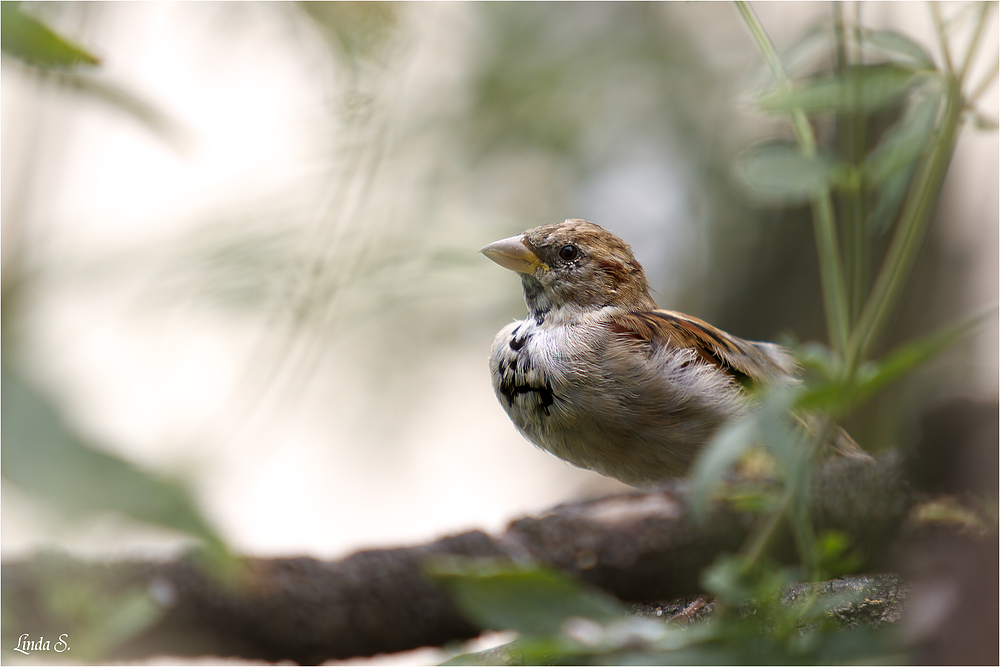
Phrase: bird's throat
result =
(536, 298)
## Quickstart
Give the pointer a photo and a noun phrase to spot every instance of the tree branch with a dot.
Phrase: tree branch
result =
(642, 547)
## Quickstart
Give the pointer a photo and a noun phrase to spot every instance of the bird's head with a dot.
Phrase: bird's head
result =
(571, 267)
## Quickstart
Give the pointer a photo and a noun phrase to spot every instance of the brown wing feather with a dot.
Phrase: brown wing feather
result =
(742, 359)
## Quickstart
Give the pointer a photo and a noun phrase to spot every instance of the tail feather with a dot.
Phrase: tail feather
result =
(839, 441)
(843, 444)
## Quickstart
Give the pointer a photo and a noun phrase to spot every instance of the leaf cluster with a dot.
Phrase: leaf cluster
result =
(561, 621)
(860, 187)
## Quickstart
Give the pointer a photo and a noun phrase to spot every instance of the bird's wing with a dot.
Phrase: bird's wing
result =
(745, 361)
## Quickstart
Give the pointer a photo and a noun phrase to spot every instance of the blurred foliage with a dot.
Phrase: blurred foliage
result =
(359, 31)
(51, 57)
(771, 427)
(41, 454)
(93, 619)
(26, 38)
(532, 601)
(760, 619)
(781, 174)
(831, 392)
(860, 89)
(47, 459)
(866, 157)
(861, 289)
(554, 78)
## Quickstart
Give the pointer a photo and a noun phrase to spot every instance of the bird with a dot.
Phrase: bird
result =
(599, 376)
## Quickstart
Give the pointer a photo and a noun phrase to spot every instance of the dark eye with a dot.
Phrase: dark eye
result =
(569, 252)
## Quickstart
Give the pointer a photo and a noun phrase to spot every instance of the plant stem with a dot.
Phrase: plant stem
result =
(914, 221)
(831, 272)
(758, 540)
(824, 224)
(984, 8)
(794, 502)
(939, 30)
(851, 142)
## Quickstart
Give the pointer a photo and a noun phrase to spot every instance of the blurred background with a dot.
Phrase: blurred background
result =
(241, 251)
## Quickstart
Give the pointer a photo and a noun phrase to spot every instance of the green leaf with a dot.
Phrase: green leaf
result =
(860, 89)
(891, 164)
(840, 395)
(728, 446)
(24, 37)
(781, 174)
(811, 48)
(805, 53)
(905, 142)
(736, 580)
(45, 458)
(534, 601)
(768, 426)
(898, 46)
(906, 358)
(775, 426)
(982, 122)
(819, 358)
(889, 200)
(835, 555)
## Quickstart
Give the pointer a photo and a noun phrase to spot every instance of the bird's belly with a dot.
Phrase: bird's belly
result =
(597, 407)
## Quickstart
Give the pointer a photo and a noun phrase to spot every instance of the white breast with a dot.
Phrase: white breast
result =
(611, 404)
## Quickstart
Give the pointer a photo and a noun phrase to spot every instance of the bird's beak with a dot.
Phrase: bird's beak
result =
(512, 253)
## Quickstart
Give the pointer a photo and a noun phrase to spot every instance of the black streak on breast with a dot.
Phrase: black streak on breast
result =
(517, 343)
(510, 389)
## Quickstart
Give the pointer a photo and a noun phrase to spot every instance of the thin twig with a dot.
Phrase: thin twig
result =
(942, 37)
(974, 43)
(851, 142)
(984, 85)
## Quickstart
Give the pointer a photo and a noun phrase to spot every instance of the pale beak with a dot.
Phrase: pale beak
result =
(512, 253)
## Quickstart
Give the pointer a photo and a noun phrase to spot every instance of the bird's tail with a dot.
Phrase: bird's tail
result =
(838, 442)
(843, 444)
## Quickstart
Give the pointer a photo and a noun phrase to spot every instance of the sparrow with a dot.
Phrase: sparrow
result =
(601, 377)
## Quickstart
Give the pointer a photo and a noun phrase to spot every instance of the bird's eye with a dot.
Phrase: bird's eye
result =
(569, 252)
